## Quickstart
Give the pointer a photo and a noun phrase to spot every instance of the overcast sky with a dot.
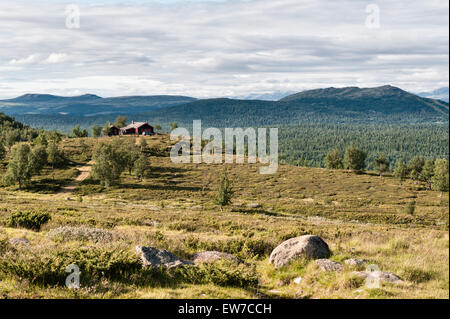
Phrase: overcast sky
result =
(220, 48)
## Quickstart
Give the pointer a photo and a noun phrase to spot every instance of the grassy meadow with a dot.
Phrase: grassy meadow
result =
(359, 216)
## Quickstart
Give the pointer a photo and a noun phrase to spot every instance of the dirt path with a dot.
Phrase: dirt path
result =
(85, 171)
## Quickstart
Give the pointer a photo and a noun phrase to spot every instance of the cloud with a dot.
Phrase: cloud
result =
(24, 61)
(54, 58)
(216, 48)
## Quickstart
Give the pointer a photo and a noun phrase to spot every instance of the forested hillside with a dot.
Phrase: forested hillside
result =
(383, 119)
(87, 104)
(311, 143)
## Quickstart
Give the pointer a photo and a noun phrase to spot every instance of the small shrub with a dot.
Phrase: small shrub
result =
(378, 293)
(49, 268)
(87, 189)
(410, 208)
(29, 219)
(222, 273)
(417, 275)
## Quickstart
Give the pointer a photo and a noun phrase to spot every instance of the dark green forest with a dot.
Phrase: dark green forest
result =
(398, 142)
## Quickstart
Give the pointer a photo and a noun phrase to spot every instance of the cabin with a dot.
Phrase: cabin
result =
(137, 128)
(113, 130)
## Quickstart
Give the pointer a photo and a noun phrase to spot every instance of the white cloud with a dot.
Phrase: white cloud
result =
(215, 48)
(54, 58)
(24, 61)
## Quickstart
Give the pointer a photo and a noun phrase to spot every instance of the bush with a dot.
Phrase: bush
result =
(29, 219)
(417, 275)
(241, 248)
(410, 208)
(119, 265)
(49, 268)
(224, 191)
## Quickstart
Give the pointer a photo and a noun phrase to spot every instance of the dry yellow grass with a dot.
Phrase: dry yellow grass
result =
(359, 216)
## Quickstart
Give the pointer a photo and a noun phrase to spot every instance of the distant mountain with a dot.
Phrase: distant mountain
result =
(273, 96)
(331, 105)
(48, 98)
(87, 104)
(349, 105)
(439, 94)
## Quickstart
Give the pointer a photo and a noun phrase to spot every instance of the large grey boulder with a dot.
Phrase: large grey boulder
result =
(329, 265)
(212, 256)
(308, 246)
(153, 257)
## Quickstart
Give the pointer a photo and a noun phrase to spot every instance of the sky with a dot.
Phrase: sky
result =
(220, 48)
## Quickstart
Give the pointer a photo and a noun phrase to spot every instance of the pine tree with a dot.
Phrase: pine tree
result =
(381, 163)
(224, 191)
(355, 158)
(120, 121)
(142, 167)
(2, 151)
(53, 154)
(427, 173)
(401, 171)
(143, 144)
(24, 163)
(109, 163)
(96, 130)
(106, 129)
(440, 179)
(415, 167)
(333, 160)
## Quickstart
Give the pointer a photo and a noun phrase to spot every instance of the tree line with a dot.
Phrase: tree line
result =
(434, 173)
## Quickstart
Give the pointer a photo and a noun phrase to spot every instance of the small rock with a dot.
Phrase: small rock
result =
(355, 262)
(254, 205)
(212, 256)
(153, 257)
(329, 265)
(308, 246)
(298, 280)
(382, 276)
(18, 241)
(300, 295)
(274, 291)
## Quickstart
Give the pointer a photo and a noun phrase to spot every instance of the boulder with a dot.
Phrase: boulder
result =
(329, 265)
(382, 276)
(212, 256)
(153, 257)
(18, 241)
(253, 205)
(355, 262)
(308, 246)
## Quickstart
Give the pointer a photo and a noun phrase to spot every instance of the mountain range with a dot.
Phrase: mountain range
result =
(438, 94)
(384, 104)
(87, 104)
